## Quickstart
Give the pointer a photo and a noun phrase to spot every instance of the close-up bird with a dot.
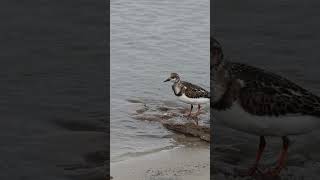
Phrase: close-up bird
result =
(189, 93)
(261, 103)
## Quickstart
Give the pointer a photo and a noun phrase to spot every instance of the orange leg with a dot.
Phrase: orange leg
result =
(282, 158)
(262, 145)
(198, 112)
(190, 112)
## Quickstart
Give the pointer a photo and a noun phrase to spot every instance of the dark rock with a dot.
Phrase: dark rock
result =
(172, 118)
(189, 128)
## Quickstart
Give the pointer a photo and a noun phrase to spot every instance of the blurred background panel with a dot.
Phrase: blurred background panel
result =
(282, 37)
(53, 95)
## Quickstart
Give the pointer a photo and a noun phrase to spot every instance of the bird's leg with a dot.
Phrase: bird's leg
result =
(282, 158)
(262, 145)
(190, 112)
(196, 120)
(198, 112)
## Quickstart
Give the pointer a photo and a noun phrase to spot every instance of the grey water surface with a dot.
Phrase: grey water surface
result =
(149, 40)
(282, 37)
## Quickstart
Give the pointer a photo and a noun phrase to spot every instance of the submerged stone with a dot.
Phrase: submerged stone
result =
(188, 128)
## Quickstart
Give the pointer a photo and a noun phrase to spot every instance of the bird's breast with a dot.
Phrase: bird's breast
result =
(238, 119)
(193, 101)
(176, 89)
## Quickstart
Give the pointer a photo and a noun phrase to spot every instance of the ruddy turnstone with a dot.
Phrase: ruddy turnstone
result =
(189, 93)
(262, 103)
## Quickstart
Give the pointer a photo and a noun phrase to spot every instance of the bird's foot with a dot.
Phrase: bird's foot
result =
(192, 115)
(196, 121)
(187, 115)
(254, 170)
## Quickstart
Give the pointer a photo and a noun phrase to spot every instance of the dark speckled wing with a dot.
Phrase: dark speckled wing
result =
(194, 91)
(266, 93)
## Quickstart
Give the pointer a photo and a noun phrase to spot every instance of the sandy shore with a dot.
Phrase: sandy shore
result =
(181, 163)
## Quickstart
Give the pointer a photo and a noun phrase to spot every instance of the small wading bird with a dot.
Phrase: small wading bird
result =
(189, 93)
(258, 102)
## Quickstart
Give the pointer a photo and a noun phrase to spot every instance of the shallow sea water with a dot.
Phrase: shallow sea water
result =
(149, 40)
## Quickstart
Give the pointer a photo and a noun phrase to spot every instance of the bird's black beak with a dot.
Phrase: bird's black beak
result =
(167, 80)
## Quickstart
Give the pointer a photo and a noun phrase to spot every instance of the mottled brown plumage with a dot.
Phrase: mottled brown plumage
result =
(265, 93)
(190, 90)
(194, 91)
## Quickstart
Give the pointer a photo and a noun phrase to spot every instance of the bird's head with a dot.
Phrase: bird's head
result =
(174, 77)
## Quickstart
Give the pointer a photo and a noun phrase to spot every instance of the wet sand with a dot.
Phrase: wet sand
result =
(181, 163)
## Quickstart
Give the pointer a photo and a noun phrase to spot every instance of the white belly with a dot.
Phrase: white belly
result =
(238, 119)
(193, 101)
